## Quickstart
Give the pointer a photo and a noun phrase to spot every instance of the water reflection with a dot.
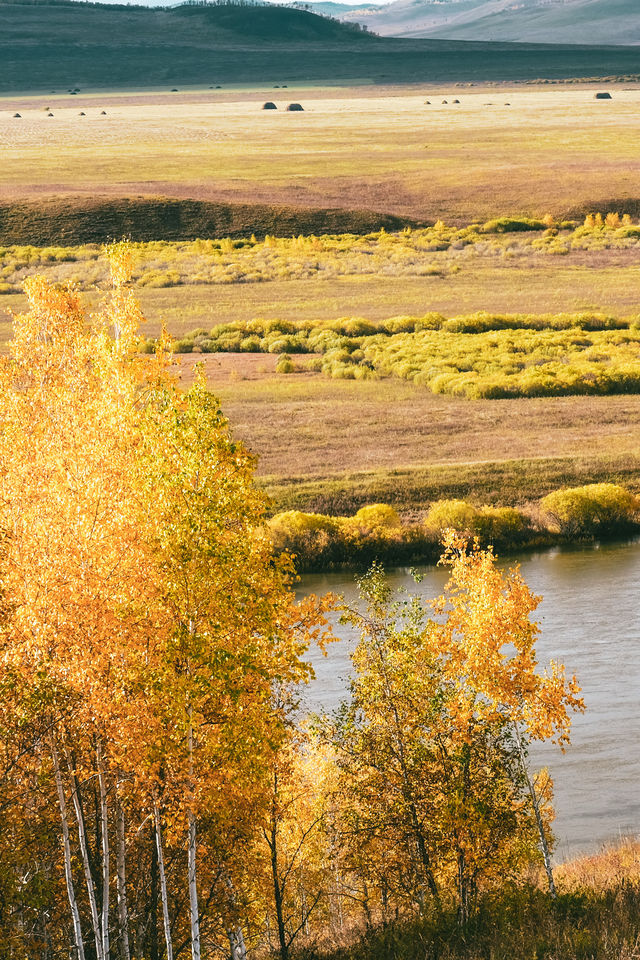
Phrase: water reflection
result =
(589, 621)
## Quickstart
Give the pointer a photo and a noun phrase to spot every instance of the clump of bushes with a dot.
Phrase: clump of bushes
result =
(512, 225)
(477, 356)
(378, 532)
(499, 525)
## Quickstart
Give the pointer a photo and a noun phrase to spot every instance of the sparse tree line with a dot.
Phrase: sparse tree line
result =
(159, 796)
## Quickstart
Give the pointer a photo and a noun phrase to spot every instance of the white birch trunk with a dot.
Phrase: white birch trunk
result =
(91, 892)
(236, 937)
(73, 903)
(121, 882)
(192, 865)
(546, 855)
(163, 882)
(104, 830)
(237, 944)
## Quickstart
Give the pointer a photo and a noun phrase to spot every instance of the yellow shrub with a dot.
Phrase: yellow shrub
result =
(592, 509)
(451, 515)
(313, 536)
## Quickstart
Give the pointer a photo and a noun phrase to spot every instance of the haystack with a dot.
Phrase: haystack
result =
(269, 105)
(82, 114)
(604, 96)
(455, 101)
(428, 102)
(445, 101)
(18, 115)
(103, 113)
(295, 106)
(49, 114)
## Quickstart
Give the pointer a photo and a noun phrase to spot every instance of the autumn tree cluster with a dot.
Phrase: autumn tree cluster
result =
(159, 796)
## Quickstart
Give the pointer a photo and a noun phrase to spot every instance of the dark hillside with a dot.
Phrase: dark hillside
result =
(282, 24)
(56, 46)
(158, 218)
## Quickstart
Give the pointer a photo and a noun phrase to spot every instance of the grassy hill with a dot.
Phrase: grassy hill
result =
(158, 218)
(47, 46)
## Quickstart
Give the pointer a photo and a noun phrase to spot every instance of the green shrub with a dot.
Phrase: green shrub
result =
(183, 346)
(511, 225)
(598, 508)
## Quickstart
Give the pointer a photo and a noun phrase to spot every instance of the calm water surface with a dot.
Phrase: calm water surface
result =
(590, 621)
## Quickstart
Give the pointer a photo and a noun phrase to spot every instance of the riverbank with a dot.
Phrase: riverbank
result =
(595, 917)
(567, 516)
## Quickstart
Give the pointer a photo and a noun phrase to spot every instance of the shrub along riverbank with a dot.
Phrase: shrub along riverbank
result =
(320, 541)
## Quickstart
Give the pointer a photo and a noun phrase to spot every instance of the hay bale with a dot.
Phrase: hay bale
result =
(269, 105)
(455, 101)
(428, 102)
(445, 101)
(603, 96)
(295, 107)
(49, 114)
(82, 114)
(103, 113)
(18, 115)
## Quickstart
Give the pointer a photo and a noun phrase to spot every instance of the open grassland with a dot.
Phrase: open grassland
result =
(549, 150)
(336, 445)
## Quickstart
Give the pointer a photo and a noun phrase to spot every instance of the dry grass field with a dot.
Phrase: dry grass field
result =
(551, 149)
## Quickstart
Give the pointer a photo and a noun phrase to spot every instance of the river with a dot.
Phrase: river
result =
(590, 621)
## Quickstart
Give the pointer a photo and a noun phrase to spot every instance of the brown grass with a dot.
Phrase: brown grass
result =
(551, 149)
(336, 445)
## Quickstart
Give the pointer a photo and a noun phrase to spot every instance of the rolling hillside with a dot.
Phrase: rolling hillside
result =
(60, 46)
(531, 21)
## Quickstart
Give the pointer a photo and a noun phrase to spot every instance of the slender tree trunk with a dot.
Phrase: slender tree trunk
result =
(278, 892)
(84, 850)
(121, 881)
(154, 953)
(163, 882)
(73, 903)
(106, 866)
(192, 863)
(236, 944)
(544, 846)
(236, 937)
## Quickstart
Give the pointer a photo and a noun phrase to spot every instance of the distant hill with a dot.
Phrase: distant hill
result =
(530, 21)
(58, 45)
